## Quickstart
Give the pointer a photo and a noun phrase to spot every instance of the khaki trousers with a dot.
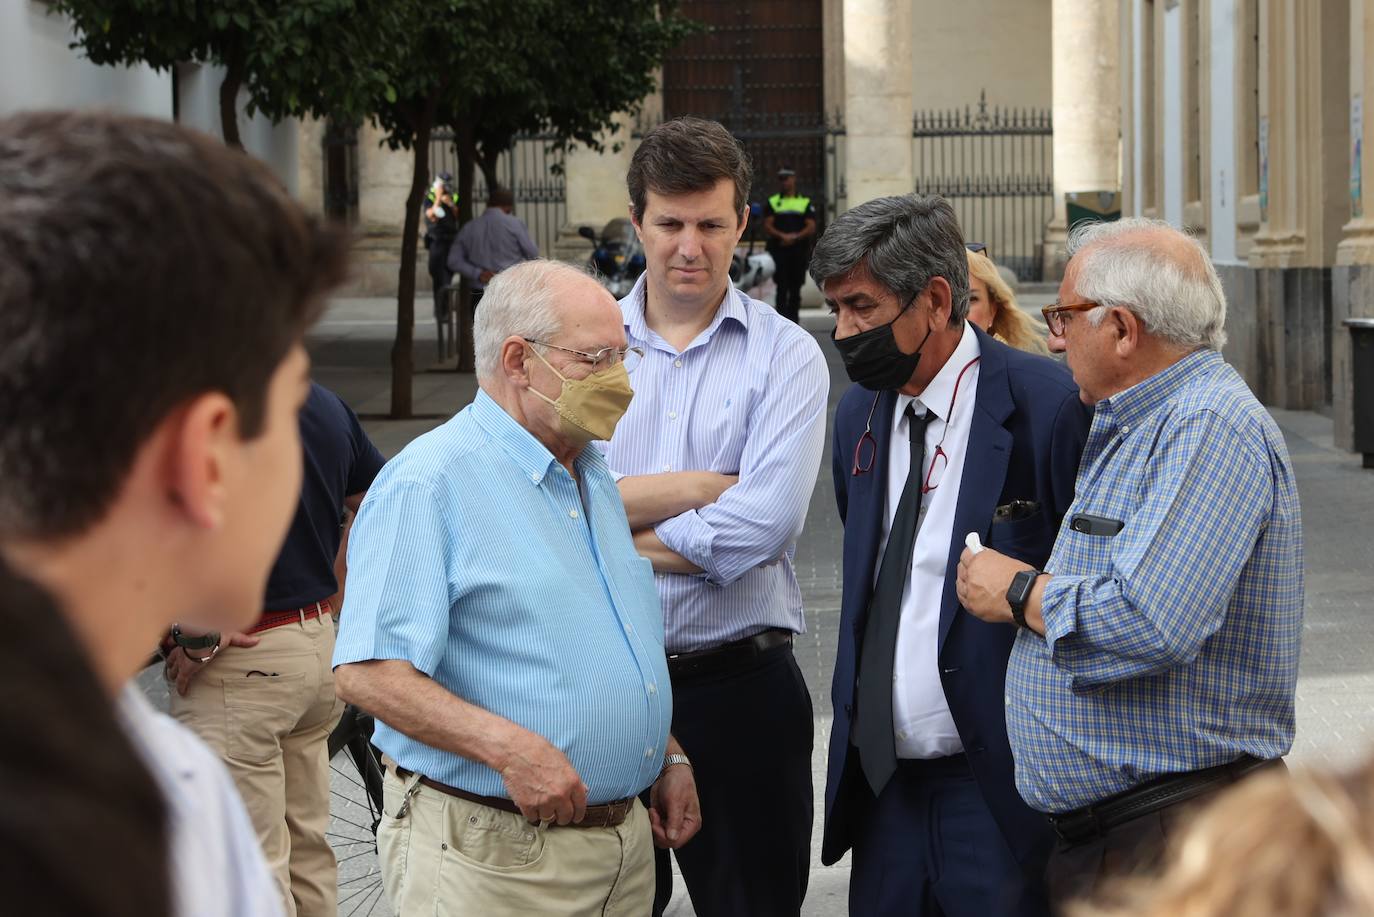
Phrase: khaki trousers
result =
(267, 710)
(444, 856)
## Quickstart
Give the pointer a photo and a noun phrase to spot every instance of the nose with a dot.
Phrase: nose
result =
(689, 244)
(845, 325)
(1056, 343)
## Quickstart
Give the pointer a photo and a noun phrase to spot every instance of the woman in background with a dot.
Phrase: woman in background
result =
(992, 307)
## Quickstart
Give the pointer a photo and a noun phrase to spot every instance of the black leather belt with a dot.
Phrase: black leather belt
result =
(1096, 820)
(734, 656)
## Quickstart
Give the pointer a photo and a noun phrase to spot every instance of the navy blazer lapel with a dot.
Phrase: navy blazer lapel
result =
(985, 465)
(868, 491)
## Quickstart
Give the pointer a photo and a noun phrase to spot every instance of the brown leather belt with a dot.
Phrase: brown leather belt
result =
(738, 654)
(1096, 820)
(606, 815)
(271, 619)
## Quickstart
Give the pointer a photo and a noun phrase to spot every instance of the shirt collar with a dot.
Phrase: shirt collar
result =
(1131, 406)
(735, 306)
(531, 456)
(939, 394)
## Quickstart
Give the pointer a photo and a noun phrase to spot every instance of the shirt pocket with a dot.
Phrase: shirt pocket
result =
(259, 710)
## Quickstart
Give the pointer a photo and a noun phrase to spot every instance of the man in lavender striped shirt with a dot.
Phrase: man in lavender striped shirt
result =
(718, 456)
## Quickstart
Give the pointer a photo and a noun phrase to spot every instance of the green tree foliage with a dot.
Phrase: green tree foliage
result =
(487, 69)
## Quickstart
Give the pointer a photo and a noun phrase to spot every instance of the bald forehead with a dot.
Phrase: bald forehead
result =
(1165, 243)
(586, 309)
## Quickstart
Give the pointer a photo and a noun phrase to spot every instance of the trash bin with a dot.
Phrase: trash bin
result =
(1362, 377)
(1092, 207)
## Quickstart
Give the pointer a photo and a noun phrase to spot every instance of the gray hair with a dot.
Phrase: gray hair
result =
(1163, 276)
(903, 242)
(520, 300)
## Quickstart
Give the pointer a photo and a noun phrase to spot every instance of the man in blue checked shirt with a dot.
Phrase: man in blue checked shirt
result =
(1158, 651)
(720, 453)
(508, 638)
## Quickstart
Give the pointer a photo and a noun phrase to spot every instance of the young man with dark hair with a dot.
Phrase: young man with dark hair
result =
(149, 385)
(720, 451)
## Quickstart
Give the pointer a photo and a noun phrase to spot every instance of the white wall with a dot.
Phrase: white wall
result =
(39, 70)
(1172, 106)
(198, 90)
(1141, 158)
(958, 49)
(1221, 228)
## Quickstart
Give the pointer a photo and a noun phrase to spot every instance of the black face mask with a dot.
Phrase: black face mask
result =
(873, 359)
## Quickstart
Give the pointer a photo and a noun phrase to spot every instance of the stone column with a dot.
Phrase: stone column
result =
(878, 98)
(1086, 56)
(383, 183)
(596, 189)
(1352, 279)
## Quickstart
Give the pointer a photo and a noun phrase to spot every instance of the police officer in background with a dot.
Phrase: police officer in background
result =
(790, 221)
(441, 228)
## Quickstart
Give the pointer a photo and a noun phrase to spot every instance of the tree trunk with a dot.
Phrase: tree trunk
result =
(403, 350)
(229, 99)
(466, 143)
(486, 161)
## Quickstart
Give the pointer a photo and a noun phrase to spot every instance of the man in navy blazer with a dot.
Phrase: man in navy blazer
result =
(945, 432)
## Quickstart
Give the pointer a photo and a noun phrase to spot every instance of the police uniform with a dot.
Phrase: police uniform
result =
(790, 214)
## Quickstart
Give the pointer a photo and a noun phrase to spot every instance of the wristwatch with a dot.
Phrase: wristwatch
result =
(670, 760)
(203, 642)
(1019, 592)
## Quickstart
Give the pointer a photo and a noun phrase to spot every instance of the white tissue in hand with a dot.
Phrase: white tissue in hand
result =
(973, 542)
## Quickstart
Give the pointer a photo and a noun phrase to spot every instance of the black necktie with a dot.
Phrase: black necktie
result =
(873, 732)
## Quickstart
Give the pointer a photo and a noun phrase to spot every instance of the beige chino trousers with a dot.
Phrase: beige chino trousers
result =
(267, 710)
(445, 857)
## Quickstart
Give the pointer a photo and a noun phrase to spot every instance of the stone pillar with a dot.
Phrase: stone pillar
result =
(596, 189)
(878, 98)
(1352, 279)
(1085, 41)
(383, 183)
(1304, 192)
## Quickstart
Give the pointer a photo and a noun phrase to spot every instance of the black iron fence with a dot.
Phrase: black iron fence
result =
(996, 167)
(531, 169)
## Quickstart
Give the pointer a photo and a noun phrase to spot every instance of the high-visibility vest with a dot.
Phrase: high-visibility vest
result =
(794, 204)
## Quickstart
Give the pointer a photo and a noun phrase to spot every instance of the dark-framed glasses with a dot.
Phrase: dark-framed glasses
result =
(604, 358)
(1057, 315)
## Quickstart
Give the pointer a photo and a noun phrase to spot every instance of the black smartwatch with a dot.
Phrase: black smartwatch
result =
(1019, 592)
(204, 642)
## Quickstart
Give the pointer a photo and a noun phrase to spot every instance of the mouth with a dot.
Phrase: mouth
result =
(689, 271)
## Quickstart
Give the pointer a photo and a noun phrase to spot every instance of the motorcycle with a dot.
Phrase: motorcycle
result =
(618, 257)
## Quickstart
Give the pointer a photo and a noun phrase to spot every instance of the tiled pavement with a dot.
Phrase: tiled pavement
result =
(1336, 688)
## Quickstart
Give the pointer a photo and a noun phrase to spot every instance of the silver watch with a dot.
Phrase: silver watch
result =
(670, 760)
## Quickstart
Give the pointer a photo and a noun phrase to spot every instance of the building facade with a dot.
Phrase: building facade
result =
(1243, 123)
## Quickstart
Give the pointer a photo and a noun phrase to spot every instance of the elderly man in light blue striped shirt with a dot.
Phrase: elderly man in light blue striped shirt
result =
(508, 638)
(719, 456)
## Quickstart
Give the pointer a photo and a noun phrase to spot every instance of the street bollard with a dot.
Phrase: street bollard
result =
(1362, 373)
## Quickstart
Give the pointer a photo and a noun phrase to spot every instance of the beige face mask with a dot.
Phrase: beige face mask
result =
(590, 408)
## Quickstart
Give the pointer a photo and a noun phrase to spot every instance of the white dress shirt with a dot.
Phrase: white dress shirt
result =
(921, 722)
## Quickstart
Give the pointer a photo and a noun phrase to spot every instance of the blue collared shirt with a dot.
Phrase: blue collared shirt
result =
(747, 397)
(478, 559)
(1173, 645)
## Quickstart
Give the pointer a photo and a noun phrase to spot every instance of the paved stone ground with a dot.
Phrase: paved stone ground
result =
(350, 350)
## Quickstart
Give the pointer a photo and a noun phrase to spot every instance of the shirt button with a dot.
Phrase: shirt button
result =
(629, 629)
(1006, 699)
(572, 513)
(534, 478)
(667, 467)
(677, 363)
(653, 689)
(672, 415)
(648, 752)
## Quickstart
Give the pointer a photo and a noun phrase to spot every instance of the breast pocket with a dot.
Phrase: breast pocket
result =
(1027, 539)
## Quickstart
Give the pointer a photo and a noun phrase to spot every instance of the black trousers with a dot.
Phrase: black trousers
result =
(790, 262)
(439, 274)
(749, 735)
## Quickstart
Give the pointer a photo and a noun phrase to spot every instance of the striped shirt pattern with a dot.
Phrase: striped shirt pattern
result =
(747, 397)
(477, 558)
(1172, 646)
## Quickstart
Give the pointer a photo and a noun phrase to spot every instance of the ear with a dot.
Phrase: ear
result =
(743, 223)
(941, 301)
(204, 439)
(514, 354)
(1126, 330)
(639, 230)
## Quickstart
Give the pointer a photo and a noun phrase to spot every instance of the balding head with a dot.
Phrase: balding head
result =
(1161, 275)
(533, 299)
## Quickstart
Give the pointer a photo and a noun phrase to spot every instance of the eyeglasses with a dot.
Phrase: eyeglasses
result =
(604, 358)
(866, 450)
(1057, 318)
